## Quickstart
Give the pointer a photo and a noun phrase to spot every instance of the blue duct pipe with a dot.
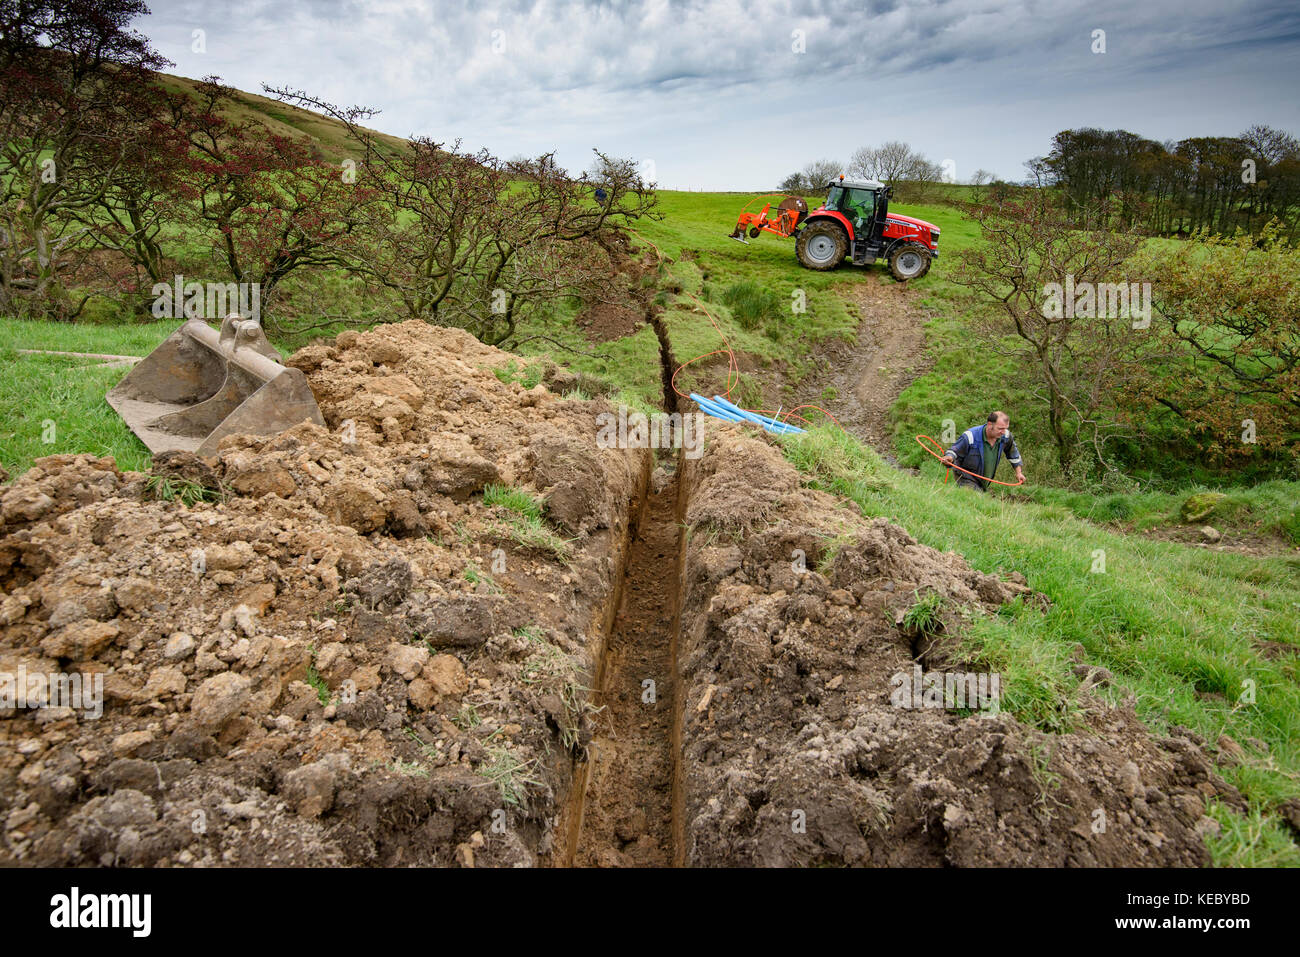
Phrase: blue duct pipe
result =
(715, 410)
(730, 412)
(767, 422)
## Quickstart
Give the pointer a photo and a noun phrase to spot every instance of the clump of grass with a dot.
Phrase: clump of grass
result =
(511, 776)
(467, 718)
(476, 577)
(923, 617)
(530, 632)
(547, 666)
(410, 769)
(514, 499)
(171, 488)
(315, 680)
(836, 462)
(523, 523)
(527, 374)
(1040, 760)
(752, 304)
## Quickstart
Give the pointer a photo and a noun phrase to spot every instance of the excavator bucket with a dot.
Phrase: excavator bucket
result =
(200, 385)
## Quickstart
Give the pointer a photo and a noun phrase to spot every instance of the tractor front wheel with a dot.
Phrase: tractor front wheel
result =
(909, 262)
(821, 246)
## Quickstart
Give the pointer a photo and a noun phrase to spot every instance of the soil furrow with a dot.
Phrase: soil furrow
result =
(628, 805)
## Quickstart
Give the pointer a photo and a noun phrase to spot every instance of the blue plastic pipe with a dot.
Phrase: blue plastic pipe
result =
(715, 410)
(767, 422)
(720, 408)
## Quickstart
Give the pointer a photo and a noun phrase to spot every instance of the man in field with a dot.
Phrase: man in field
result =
(981, 448)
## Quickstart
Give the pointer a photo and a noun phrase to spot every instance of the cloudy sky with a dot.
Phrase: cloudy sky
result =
(735, 94)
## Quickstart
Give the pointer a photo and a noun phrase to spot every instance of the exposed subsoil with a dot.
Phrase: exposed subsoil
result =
(367, 665)
(628, 818)
(794, 753)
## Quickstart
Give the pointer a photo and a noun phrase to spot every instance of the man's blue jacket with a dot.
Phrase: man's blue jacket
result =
(969, 452)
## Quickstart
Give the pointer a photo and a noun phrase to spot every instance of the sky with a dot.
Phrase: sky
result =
(737, 94)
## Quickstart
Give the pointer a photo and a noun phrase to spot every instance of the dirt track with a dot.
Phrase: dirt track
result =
(869, 374)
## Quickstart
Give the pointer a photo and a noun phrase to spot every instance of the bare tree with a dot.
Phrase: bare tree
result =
(74, 83)
(794, 183)
(888, 163)
(819, 172)
(463, 239)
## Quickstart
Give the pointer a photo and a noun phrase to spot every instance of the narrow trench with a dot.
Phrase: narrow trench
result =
(625, 809)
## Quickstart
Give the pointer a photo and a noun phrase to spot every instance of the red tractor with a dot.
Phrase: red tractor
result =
(853, 223)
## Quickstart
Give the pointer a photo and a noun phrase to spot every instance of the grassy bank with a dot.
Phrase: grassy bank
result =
(1185, 632)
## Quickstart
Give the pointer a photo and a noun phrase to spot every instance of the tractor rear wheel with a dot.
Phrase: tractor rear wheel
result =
(909, 262)
(821, 246)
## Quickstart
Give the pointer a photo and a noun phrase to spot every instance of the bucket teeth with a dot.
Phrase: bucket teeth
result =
(201, 385)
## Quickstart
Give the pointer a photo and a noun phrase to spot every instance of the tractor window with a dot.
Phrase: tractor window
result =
(860, 203)
(833, 197)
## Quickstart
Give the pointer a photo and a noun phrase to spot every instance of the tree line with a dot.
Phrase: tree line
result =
(111, 183)
(1215, 183)
(910, 172)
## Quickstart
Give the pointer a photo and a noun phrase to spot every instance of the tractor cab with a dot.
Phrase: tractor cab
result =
(856, 201)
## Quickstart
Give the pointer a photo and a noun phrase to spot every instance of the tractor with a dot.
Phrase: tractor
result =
(853, 223)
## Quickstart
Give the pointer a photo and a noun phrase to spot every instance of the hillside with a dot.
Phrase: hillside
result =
(284, 119)
(431, 645)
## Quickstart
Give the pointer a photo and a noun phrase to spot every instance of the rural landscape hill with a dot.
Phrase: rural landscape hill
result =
(502, 595)
(285, 119)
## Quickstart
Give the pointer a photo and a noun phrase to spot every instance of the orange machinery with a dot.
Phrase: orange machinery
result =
(790, 212)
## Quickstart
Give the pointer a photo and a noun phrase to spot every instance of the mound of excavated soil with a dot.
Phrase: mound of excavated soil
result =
(346, 657)
(340, 557)
(794, 752)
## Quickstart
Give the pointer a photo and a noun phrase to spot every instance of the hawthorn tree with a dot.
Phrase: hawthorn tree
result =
(149, 196)
(463, 239)
(1073, 359)
(270, 203)
(1228, 313)
(75, 82)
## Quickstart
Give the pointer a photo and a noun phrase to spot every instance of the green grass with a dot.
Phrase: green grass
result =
(1269, 509)
(514, 499)
(1179, 627)
(511, 776)
(528, 374)
(315, 680)
(169, 488)
(523, 524)
(51, 405)
(476, 577)
(923, 617)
